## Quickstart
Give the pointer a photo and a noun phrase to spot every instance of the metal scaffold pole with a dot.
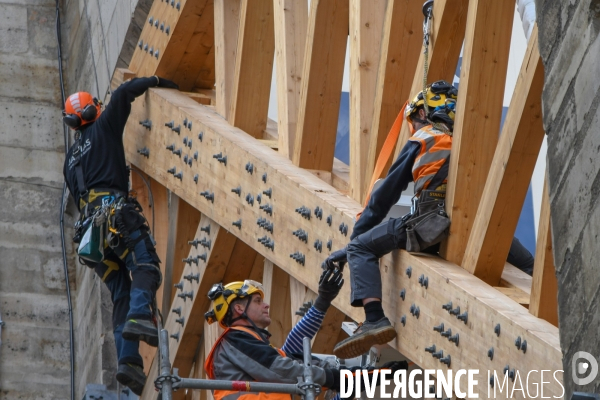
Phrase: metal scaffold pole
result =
(168, 382)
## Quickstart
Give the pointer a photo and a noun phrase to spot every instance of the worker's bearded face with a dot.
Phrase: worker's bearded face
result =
(258, 311)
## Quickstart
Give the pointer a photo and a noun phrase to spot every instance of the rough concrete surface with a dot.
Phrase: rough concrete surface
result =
(570, 48)
(34, 354)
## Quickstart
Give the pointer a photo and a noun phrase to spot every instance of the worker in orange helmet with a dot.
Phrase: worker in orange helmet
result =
(97, 177)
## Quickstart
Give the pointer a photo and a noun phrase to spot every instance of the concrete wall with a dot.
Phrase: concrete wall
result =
(34, 354)
(570, 47)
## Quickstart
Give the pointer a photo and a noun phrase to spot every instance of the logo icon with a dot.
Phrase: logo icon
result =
(584, 363)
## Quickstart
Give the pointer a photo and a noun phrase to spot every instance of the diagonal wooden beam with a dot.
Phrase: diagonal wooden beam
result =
(181, 36)
(183, 223)
(291, 24)
(366, 24)
(157, 214)
(253, 67)
(191, 310)
(510, 173)
(227, 22)
(321, 85)
(400, 45)
(276, 283)
(326, 338)
(544, 290)
(479, 110)
(447, 34)
(298, 294)
(293, 188)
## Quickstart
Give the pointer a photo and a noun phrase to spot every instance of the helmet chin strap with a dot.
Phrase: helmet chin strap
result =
(421, 121)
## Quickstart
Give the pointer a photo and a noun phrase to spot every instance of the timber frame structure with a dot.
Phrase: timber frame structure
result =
(230, 187)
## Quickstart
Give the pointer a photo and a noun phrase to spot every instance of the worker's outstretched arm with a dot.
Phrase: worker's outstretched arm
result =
(330, 284)
(388, 194)
(118, 109)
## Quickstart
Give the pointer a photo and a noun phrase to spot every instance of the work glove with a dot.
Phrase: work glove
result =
(337, 259)
(330, 284)
(165, 83)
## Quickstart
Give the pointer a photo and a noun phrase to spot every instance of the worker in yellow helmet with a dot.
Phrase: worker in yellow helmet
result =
(244, 353)
(424, 160)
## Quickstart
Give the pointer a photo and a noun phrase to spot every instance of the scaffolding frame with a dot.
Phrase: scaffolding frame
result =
(168, 382)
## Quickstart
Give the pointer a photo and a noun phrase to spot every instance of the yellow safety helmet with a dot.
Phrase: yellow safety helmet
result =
(441, 100)
(223, 296)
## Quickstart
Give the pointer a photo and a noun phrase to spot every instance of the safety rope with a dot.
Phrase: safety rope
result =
(428, 13)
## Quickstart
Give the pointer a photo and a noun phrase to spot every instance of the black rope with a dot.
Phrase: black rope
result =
(63, 205)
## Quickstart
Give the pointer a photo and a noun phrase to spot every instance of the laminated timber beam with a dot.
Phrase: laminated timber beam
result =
(227, 23)
(276, 283)
(544, 289)
(291, 24)
(510, 173)
(400, 44)
(482, 82)
(253, 67)
(366, 27)
(321, 84)
(183, 223)
(177, 43)
(226, 158)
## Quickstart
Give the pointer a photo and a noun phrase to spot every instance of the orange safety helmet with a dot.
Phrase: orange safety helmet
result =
(81, 109)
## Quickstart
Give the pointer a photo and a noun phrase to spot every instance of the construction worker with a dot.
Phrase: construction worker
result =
(96, 174)
(424, 158)
(244, 353)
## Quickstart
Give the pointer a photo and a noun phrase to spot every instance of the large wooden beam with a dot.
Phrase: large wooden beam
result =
(510, 174)
(366, 24)
(485, 309)
(291, 24)
(253, 67)
(399, 56)
(321, 85)
(479, 110)
(227, 22)
(447, 34)
(186, 333)
(544, 290)
(293, 188)
(182, 41)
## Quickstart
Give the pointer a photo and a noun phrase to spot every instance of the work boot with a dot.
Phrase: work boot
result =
(141, 329)
(132, 376)
(366, 335)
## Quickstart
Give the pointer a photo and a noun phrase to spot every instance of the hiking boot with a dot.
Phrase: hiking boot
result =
(366, 335)
(141, 329)
(132, 376)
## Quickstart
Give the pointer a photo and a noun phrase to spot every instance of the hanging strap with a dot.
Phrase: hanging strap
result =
(385, 153)
(78, 169)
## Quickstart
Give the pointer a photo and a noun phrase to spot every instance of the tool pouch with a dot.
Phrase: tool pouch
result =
(428, 227)
(91, 247)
